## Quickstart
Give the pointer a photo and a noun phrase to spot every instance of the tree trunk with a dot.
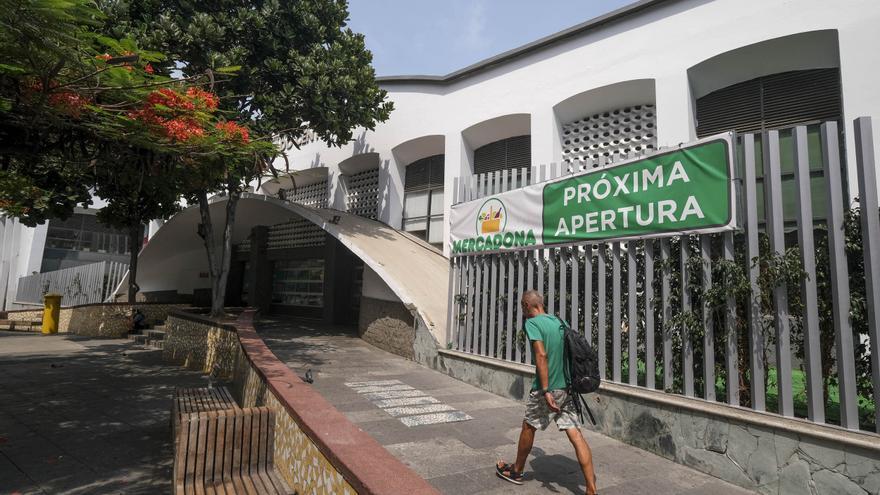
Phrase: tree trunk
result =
(206, 232)
(135, 241)
(219, 292)
(218, 263)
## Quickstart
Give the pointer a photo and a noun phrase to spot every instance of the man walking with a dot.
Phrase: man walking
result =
(550, 398)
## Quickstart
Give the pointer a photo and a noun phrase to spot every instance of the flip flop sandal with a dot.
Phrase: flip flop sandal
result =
(506, 472)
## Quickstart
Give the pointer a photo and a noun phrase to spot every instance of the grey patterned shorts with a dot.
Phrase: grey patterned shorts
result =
(539, 415)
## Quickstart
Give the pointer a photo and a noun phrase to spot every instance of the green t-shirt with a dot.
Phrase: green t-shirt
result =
(546, 328)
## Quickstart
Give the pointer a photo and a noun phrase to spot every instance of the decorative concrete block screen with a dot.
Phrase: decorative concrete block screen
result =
(757, 318)
(314, 195)
(363, 193)
(295, 233)
(626, 131)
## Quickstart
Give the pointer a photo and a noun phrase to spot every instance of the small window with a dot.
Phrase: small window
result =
(423, 199)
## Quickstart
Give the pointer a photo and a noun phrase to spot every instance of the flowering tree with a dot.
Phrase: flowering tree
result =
(300, 70)
(82, 113)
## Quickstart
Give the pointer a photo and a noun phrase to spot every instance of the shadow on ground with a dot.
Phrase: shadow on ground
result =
(80, 416)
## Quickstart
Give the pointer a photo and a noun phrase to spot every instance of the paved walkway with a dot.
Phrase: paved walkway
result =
(457, 456)
(80, 416)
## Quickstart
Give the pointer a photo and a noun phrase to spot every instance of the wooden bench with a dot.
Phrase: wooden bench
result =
(196, 400)
(229, 451)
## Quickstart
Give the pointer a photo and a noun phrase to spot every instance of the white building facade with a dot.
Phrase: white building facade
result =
(651, 75)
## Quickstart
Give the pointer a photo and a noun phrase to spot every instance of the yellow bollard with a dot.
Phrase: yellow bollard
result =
(51, 313)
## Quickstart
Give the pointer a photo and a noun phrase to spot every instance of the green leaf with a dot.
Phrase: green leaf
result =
(232, 69)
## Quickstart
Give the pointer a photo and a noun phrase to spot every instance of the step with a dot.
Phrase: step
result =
(140, 339)
(156, 344)
(156, 334)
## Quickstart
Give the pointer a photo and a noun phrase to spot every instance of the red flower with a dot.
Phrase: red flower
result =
(149, 69)
(207, 99)
(230, 131)
(105, 57)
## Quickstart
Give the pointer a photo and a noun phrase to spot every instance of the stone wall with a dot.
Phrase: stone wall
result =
(759, 451)
(98, 320)
(387, 325)
(200, 344)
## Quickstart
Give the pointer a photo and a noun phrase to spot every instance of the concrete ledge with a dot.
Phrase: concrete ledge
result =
(859, 439)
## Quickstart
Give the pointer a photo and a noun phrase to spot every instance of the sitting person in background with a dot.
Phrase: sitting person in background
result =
(138, 321)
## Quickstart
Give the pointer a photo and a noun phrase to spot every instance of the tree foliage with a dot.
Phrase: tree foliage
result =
(299, 72)
(84, 113)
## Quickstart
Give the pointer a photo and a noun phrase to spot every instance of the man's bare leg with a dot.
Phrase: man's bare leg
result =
(526, 439)
(584, 456)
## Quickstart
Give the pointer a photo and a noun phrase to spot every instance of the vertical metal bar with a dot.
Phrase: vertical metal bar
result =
(632, 318)
(563, 282)
(523, 177)
(504, 175)
(615, 311)
(455, 190)
(554, 170)
(601, 311)
(804, 208)
(756, 337)
(465, 298)
(650, 368)
(773, 210)
(588, 293)
(497, 187)
(510, 305)
(539, 261)
(479, 291)
(530, 283)
(503, 301)
(520, 286)
(450, 315)
(708, 326)
(871, 245)
(493, 308)
(846, 374)
(687, 344)
(732, 354)
(484, 327)
(552, 254)
(471, 303)
(575, 289)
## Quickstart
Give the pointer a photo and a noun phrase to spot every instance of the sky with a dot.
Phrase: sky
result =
(436, 37)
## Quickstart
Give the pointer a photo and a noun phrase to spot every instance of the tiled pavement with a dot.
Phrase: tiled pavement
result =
(81, 416)
(458, 456)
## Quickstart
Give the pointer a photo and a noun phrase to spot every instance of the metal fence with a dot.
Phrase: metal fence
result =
(85, 284)
(777, 316)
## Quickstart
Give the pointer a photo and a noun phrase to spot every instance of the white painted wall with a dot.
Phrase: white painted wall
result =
(21, 254)
(660, 44)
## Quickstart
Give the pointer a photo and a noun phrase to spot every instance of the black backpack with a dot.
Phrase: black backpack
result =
(582, 360)
(582, 370)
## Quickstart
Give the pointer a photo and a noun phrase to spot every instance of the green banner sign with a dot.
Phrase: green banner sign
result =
(679, 191)
(687, 190)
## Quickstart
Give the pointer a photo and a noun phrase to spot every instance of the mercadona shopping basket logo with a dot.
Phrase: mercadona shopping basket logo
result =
(491, 231)
(492, 217)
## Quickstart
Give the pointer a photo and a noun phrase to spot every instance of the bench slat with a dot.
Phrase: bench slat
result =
(223, 451)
